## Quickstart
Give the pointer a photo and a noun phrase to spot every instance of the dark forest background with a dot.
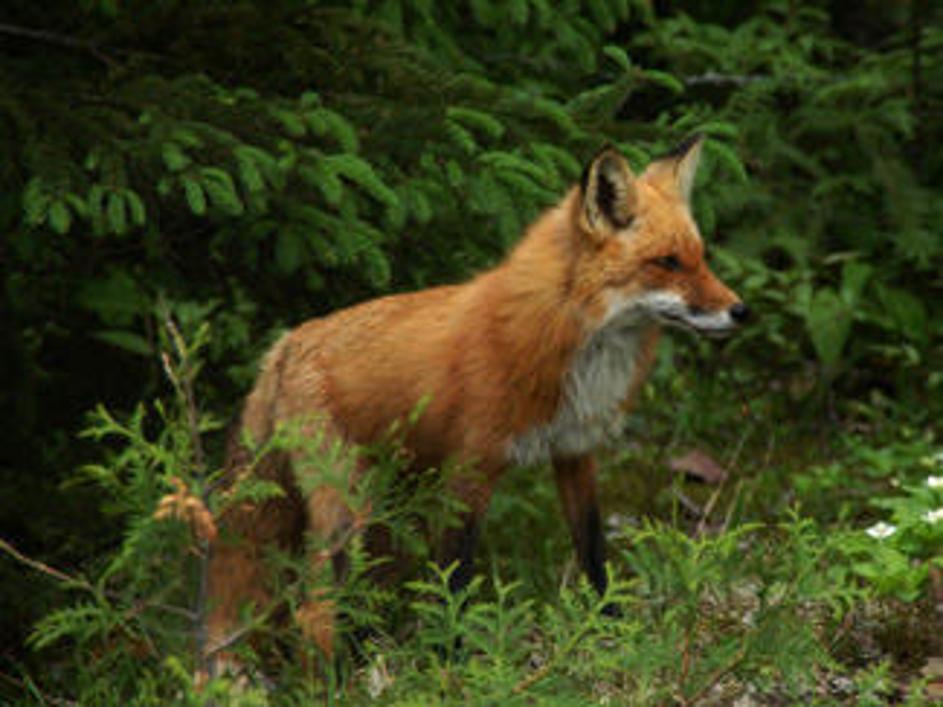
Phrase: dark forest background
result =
(244, 165)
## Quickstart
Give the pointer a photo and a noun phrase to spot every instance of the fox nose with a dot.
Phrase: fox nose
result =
(739, 312)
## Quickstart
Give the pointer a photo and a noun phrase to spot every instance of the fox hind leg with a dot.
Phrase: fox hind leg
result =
(237, 575)
(334, 515)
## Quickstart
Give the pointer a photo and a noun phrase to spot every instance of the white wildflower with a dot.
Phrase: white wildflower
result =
(933, 516)
(935, 482)
(881, 530)
(378, 677)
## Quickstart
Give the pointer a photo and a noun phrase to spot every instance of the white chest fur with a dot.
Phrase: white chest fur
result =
(590, 413)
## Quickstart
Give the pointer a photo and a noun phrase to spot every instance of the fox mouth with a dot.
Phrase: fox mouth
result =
(670, 309)
(712, 331)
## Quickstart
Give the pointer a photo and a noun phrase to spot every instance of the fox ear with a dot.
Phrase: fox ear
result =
(679, 167)
(608, 193)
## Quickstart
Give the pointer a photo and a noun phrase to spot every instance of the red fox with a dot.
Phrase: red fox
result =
(535, 360)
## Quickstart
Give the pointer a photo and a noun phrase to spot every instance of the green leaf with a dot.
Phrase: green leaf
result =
(249, 173)
(454, 173)
(219, 185)
(828, 322)
(95, 207)
(602, 14)
(484, 193)
(720, 128)
(117, 214)
(636, 156)
(116, 298)
(855, 276)
(665, 79)
(309, 99)
(256, 167)
(174, 157)
(728, 158)
(906, 311)
(462, 138)
(338, 127)
(362, 174)
(569, 165)
(554, 112)
(35, 202)
(186, 136)
(618, 55)
(479, 120)
(127, 340)
(59, 217)
(91, 160)
(292, 123)
(322, 177)
(136, 206)
(289, 250)
(77, 204)
(417, 203)
(195, 196)
(510, 162)
(254, 489)
(377, 266)
(322, 246)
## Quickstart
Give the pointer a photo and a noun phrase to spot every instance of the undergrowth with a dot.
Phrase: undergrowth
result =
(738, 594)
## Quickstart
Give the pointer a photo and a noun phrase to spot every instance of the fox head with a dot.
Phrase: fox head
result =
(641, 249)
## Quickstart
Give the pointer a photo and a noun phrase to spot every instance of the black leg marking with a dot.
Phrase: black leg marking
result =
(593, 555)
(460, 545)
(592, 549)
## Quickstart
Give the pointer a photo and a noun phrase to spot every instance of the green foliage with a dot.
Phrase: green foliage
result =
(136, 611)
(386, 145)
(898, 554)
(257, 164)
(749, 609)
(754, 602)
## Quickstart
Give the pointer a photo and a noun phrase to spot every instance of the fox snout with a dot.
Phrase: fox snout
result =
(731, 318)
(739, 312)
(718, 323)
(713, 308)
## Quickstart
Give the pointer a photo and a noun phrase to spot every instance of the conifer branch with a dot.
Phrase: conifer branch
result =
(85, 585)
(61, 40)
(44, 568)
(713, 78)
(181, 377)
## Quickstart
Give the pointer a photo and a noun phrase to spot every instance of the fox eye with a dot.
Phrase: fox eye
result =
(668, 262)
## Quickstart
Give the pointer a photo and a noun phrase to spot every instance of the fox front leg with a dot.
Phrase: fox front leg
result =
(576, 485)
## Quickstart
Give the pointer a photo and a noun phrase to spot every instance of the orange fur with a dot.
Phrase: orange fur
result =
(506, 363)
